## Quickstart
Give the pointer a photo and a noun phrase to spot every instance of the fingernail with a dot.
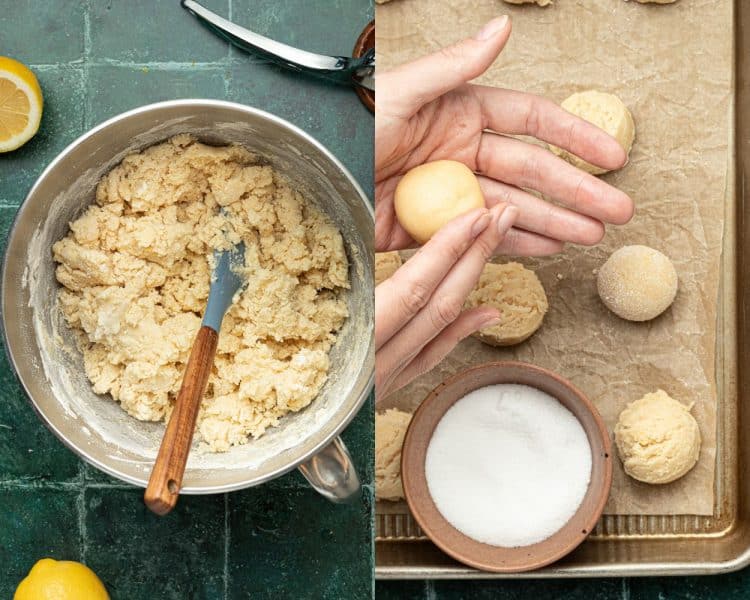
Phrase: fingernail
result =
(480, 224)
(492, 28)
(491, 322)
(506, 219)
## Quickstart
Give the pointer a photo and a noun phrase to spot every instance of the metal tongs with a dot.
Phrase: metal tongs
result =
(359, 72)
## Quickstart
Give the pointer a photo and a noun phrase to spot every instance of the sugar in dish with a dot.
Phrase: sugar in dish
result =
(508, 465)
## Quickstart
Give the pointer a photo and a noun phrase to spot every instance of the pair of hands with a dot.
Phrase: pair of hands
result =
(427, 111)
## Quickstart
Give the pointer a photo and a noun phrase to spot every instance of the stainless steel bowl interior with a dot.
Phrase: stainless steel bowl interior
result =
(43, 353)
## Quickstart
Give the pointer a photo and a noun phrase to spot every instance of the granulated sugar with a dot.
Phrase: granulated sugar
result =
(508, 465)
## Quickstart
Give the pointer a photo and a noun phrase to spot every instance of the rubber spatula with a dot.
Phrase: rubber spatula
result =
(166, 477)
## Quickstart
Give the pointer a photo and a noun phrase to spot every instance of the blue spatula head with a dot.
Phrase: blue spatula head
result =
(226, 281)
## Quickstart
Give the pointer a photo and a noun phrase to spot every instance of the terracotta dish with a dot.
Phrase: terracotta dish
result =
(365, 41)
(448, 538)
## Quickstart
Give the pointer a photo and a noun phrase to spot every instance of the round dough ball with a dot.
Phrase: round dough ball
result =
(386, 264)
(390, 429)
(519, 296)
(657, 438)
(607, 112)
(637, 283)
(656, 1)
(432, 194)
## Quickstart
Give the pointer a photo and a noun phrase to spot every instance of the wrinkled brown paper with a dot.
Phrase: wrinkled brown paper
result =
(672, 66)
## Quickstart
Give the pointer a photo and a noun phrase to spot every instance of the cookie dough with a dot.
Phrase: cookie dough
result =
(390, 429)
(432, 194)
(386, 264)
(637, 283)
(657, 438)
(136, 275)
(519, 296)
(538, 2)
(656, 1)
(607, 112)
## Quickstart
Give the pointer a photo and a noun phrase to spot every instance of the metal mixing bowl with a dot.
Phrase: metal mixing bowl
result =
(43, 353)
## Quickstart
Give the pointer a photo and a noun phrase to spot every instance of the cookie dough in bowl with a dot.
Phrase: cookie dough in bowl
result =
(135, 270)
(44, 349)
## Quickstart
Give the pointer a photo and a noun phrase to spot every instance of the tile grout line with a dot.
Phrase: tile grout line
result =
(87, 108)
(154, 64)
(227, 74)
(226, 546)
(625, 589)
(83, 534)
(81, 509)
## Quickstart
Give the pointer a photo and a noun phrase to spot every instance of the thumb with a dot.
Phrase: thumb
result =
(412, 85)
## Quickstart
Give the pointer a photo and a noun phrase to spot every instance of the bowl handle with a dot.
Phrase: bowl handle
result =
(332, 474)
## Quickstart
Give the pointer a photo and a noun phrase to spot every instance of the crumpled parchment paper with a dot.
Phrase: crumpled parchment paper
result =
(672, 65)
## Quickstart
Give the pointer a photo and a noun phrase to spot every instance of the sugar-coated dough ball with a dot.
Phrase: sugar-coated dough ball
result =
(607, 112)
(432, 194)
(657, 438)
(637, 283)
(386, 264)
(538, 2)
(390, 429)
(519, 296)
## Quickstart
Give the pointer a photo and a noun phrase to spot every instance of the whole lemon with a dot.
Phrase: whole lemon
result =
(51, 579)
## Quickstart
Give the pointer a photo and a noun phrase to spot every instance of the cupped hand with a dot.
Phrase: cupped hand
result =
(427, 111)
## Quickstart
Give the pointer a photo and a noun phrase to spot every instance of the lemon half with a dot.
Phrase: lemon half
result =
(20, 104)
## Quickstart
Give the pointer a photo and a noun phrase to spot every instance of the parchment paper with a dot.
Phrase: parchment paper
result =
(672, 66)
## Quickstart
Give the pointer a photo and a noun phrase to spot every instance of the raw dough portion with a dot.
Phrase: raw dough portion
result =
(136, 275)
(390, 429)
(519, 296)
(654, 1)
(386, 264)
(607, 112)
(432, 194)
(657, 438)
(538, 2)
(637, 283)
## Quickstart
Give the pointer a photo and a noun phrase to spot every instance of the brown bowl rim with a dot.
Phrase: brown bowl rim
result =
(365, 41)
(478, 554)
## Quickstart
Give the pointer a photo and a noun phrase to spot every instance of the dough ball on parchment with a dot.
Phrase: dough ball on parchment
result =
(386, 264)
(656, 1)
(607, 112)
(637, 283)
(432, 194)
(657, 438)
(519, 296)
(390, 429)
(538, 2)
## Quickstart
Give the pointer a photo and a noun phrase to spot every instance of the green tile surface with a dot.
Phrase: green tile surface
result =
(36, 522)
(95, 59)
(734, 586)
(307, 537)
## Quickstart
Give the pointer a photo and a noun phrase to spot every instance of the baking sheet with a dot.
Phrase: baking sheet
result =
(672, 69)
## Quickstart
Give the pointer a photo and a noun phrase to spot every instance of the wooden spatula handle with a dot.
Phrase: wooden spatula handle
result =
(166, 478)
